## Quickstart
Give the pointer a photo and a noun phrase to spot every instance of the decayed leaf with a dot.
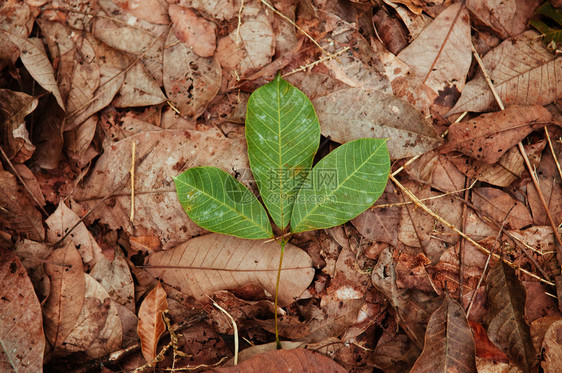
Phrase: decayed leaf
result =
(17, 210)
(529, 76)
(34, 57)
(507, 327)
(116, 279)
(251, 47)
(162, 154)
(285, 361)
(16, 18)
(196, 32)
(489, 136)
(377, 115)
(549, 181)
(14, 107)
(497, 204)
(191, 81)
(151, 324)
(449, 345)
(552, 345)
(441, 54)
(98, 329)
(64, 304)
(61, 221)
(217, 262)
(139, 89)
(21, 331)
(152, 11)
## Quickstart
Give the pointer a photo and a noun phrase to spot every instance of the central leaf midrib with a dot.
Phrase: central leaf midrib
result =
(341, 184)
(227, 206)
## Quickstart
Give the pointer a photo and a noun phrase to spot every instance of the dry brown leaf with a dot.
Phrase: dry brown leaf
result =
(285, 361)
(98, 330)
(194, 31)
(66, 298)
(551, 187)
(507, 327)
(375, 114)
(190, 81)
(497, 204)
(489, 136)
(552, 346)
(441, 55)
(115, 277)
(251, 46)
(152, 11)
(21, 329)
(35, 60)
(217, 262)
(506, 18)
(449, 345)
(17, 210)
(218, 9)
(31, 181)
(395, 352)
(16, 18)
(14, 107)
(78, 142)
(164, 154)
(58, 225)
(438, 171)
(151, 324)
(392, 32)
(529, 76)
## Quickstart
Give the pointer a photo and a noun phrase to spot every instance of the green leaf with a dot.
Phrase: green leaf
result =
(342, 185)
(218, 202)
(283, 134)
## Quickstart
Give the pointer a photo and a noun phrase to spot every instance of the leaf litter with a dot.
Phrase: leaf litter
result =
(173, 79)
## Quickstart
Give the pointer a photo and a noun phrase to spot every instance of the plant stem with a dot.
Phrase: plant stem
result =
(282, 243)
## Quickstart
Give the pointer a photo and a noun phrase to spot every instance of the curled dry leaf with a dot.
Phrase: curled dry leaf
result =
(98, 330)
(489, 136)
(190, 81)
(530, 76)
(196, 32)
(66, 298)
(35, 60)
(507, 327)
(59, 224)
(17, 210)
(160, 155)
(376, 115)
(21, 331)
(285, 361)
(441, 55)
(151, 324)
(214, 262)
(497, 204)
(449, 345)
(14, 107)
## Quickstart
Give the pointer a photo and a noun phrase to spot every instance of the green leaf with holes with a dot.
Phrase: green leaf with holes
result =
(342, 185)
(283, 133)
(218, 202)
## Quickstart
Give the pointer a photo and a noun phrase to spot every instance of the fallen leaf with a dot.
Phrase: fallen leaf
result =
(286, 361)
(78, 142)
(395, 352)
(485, 349)
(35, 60)
(552, 346)
(139, 89)
(441, 55)
(496, 204)
(64, 304)
(530, 76)
(17, 210)
(59, 224)
(115, 277)
(449, 345)
(489, 136)
(194, 31)
(217, 262)
(551, 188)
(376, 115)
(98, 328)
(14, 107)
(151, 324)
(190, 81)
(393, 33)
(507, 327)
(16, 18)
(221, 10)
(152, 11)
(164, 154)
(21, 329)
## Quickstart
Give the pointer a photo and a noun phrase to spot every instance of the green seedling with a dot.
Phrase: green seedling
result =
(283, 135)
